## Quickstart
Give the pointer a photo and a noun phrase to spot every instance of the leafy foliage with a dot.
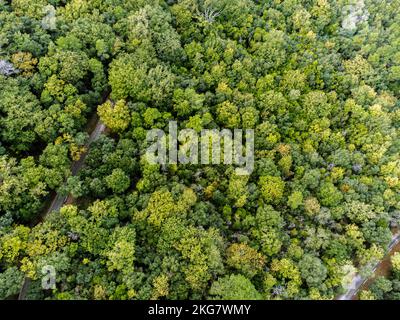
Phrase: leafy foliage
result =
(320, 92)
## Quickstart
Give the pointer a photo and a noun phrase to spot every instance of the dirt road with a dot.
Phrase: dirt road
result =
(358, 280)
(59, 199)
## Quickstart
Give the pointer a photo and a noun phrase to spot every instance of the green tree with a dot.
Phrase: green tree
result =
(245, 259)
(118, 181)
(312, 270)
(234, 287)
(271, 188)
(115, 116)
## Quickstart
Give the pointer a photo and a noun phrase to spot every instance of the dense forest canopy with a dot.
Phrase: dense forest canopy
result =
(318, 81)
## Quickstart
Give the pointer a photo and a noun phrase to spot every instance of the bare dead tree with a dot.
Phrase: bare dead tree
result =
(209, 14)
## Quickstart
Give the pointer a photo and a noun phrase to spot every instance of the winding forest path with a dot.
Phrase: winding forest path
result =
(59, 200)
(358, 281)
